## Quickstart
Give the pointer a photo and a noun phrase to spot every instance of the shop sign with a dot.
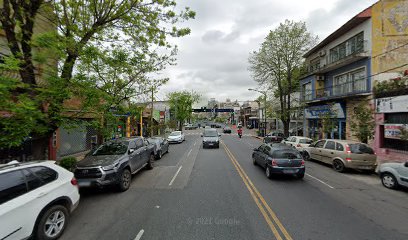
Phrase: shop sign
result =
(392, 104)
(394, 130)
(335, 111)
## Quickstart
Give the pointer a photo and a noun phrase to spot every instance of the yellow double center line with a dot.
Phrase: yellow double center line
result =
(268, 214)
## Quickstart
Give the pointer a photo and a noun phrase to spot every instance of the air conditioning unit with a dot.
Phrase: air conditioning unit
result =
(319, 77)
(322, 53)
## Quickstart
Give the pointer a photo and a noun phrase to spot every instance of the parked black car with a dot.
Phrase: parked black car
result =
(114, 162)
(161, 146)
(279, 159)
(274, 137)
(211, 138)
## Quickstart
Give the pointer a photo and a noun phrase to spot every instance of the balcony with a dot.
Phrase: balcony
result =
(336, 91)
(340, 58)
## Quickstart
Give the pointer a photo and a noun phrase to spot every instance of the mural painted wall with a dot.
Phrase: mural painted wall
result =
(390, 38)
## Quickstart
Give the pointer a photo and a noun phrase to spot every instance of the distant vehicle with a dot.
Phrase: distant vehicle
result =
(394, 175)
(36, 200)
(274, 137)
(176, 137)
(298, 142)
(279, 159)
(226, 129)
(342, 154)
(161, 146)
(189, 127)
(211, 138)
(114, 162)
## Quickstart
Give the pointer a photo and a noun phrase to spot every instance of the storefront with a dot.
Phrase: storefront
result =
(326, 121)
(391, 133)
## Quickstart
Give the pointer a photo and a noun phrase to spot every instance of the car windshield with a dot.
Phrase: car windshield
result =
(307, 141)
(153, 140)
(175, 134)
(287, 154)
(360, 148)
(210, 133)
(112, 148)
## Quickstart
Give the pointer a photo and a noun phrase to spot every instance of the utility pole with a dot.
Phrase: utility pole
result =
(151, 115)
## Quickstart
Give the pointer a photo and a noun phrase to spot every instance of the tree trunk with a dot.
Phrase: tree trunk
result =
(286, 123)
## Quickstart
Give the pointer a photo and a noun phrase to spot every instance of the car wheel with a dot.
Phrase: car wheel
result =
(268, 173)
(52, 223)
(389, 181)
(306, 156)
(338, 166)
(125, 179)
(254, 161)
(149, 165)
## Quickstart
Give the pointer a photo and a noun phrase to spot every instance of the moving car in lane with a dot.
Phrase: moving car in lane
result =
(298, 142)
(176, 137)
(279, 159)
(114, 162)
(211, 138)
(161, 146)
(394, 175)
(36, 200)
(342, 154)
(226, 129)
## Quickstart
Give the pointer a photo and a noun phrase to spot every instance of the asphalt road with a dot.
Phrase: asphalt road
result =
(195, 193)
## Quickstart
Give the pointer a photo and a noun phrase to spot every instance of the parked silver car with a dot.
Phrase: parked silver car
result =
(342, 154)
(161, 146)
(394, 175)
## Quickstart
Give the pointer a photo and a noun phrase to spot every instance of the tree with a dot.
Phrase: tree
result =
(278, 64)
(181, 103)
(362, 123)
(111, 26)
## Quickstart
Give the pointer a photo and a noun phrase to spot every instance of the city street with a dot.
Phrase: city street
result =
(196, 193)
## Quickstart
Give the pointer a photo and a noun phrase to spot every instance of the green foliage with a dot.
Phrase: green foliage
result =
(362, 122)
(393, 87)
(404, 133)
(68, 163)
(181, 104)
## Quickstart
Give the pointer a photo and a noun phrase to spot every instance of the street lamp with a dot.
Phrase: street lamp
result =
(264, 111)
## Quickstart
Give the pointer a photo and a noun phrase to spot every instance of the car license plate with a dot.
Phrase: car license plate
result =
(289, 171)
(84, 183)
(210, 144)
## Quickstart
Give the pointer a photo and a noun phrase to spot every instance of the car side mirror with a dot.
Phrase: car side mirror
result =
(255, 149)
(406, 164)
(132, 150)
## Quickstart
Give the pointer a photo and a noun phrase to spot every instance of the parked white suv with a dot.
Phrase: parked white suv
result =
(298, 142)
(36, 199)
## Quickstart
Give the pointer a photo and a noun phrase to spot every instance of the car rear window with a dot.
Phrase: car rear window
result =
(360, 148)
(286, 154)
(307, 141)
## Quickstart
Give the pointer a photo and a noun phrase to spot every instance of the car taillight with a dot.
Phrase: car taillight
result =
(74, 181)
(274, 163)
(348, 149)
(348, 159)
(303, 162)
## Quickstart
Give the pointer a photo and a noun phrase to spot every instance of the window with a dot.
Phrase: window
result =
(33, 182)
(305, 141)
(132, 145)
(320, 144)
(350, 82)
(330, 145)
(267, 149)
(112, 148)
(139, 143)
(351, 46)
(339, 147)
(288, 154)
(46, 175)
(12, 185)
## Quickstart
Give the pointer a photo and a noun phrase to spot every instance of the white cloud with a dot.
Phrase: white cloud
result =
(213, 60)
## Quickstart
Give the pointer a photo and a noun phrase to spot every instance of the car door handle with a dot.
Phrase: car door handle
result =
(41, 194)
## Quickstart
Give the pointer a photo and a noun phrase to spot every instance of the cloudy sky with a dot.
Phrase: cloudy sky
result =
(213, 59)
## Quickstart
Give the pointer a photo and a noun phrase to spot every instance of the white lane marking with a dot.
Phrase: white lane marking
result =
(188, 154)
(175, 175)
(320, 181)
(139, 235)
(195, 143)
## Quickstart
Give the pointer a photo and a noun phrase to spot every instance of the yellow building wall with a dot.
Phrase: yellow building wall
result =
(389, 35)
